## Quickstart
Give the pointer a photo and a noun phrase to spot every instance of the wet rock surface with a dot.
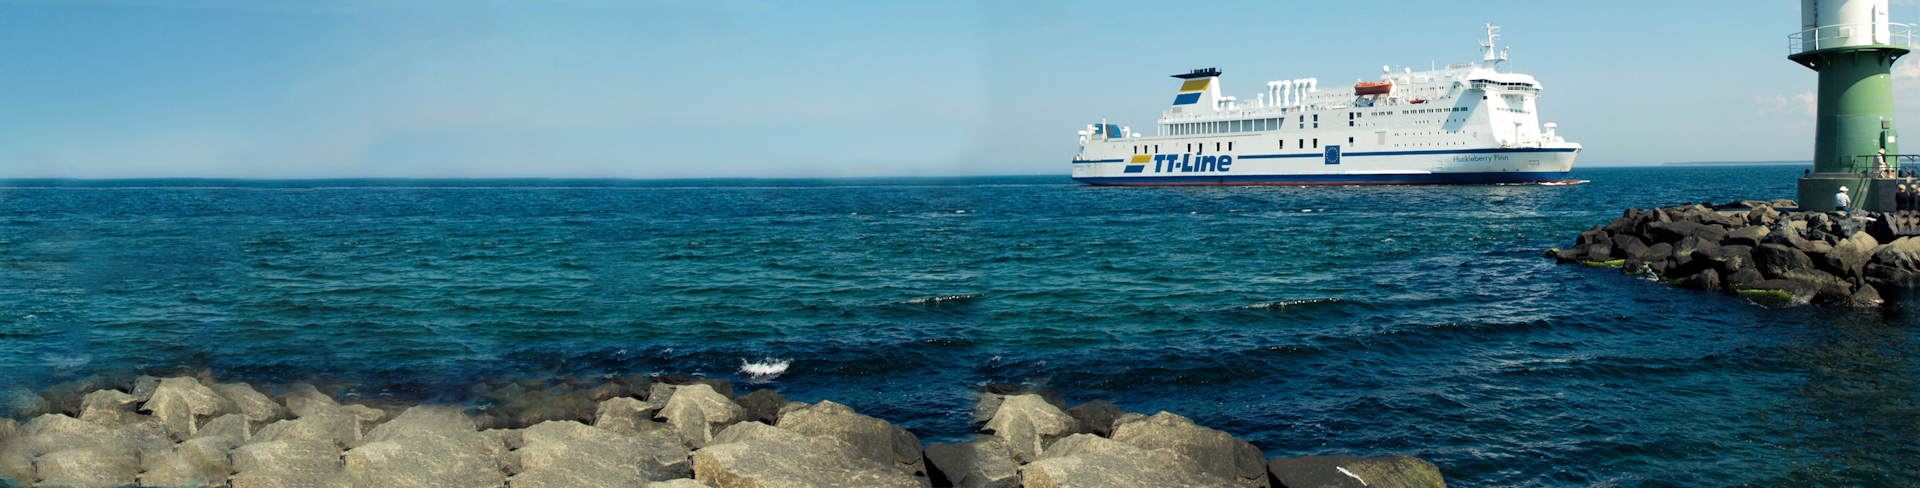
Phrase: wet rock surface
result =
(1774, 257)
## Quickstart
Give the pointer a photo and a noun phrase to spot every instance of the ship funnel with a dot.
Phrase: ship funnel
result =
(1200, 91)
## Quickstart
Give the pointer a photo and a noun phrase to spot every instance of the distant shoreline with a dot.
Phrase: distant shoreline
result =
(1740, 163)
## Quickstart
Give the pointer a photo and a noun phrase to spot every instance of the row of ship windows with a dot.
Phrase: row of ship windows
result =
(1256, 125)
(1504, 109)
(1303, 143)
(1230, 126)
(1155, 148)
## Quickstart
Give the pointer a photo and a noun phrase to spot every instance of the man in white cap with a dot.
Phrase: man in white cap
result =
(1841, 202)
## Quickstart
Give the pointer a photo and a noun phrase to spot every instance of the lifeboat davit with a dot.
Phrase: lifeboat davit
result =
(1373, 88)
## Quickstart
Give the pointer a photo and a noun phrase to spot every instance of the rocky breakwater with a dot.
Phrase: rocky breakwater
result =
(1775, 257)
(658, 432)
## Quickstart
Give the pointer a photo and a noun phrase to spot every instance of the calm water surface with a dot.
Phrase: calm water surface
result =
(1363, 321)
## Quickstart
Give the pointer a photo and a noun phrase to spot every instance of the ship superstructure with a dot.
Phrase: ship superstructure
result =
(1465, 123)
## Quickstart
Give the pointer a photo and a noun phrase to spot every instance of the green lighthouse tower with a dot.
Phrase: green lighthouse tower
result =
(1853, 47)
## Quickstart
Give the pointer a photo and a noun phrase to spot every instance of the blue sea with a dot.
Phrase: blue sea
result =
(1364, 321)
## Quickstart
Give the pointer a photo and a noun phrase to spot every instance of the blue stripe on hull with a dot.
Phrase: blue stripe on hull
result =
(1335, 179)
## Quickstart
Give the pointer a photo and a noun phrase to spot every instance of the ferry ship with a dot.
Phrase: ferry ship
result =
(1468, 123)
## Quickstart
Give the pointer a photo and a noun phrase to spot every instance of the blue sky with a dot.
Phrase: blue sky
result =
(672, 89)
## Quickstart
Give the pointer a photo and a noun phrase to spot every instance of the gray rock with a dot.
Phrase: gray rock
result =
(425, 446)
(778, 457)
(197, 462)
(1029, 424)
(763, 405)
(1704, 280)
(567, 453)
(747, 431)
(1658, 252)
(9, 429)
(983, 463)
(1727, 259)
(1849, 257)
(1216, 452)
(696, 411)
(1089, 461)
(1741, 276)
(86, 466)
(663, 386)
(1671, 231)
(1866, 296)
(143, 387)
(231, 429)
(1747, 236)
(256, 406)
(317, 412)
(1095, 417)
(992, 395)
(1775, 260)
(287, 460)
(110, 408)
(874, 438)
(626, 416)
(1629, 246)
(1356, 472)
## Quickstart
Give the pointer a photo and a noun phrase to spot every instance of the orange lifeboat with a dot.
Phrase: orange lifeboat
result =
(1417, 100)
(1373, 88)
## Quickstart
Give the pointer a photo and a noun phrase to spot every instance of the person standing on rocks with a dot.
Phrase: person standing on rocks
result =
(1841, 202)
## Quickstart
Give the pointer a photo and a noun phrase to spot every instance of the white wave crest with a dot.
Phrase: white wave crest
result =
(764, 370)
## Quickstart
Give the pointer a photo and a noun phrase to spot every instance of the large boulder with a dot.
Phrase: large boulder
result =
(1029, 424)
(1849, 257)
(1090, 461)
(65, 451)
(875, 438)
(1356, 472)
(763, 405)
(289, 453)
(1629, 246)
(983, 463)
(1727, 259)
(1671, 231)
(627, 416)
(1216, 452)
(317, 412)
(180, 402)
(1707, 279)
(992, 395)
(697, 412)
(662, 387)
(110, 408)
(1095, 417)
(763, 457)
(1747, 236)
(198, 462)
(567, 453)
(1776, 260)
(425, 446)
(256, 406)
(1895, 264)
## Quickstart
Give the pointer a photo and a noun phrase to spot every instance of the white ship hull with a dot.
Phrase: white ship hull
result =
(1330, 167)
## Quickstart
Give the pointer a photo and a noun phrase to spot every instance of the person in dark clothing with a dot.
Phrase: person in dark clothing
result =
(1902, 199)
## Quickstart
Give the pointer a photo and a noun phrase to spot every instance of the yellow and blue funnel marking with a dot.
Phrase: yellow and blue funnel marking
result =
(1138, 164)
(1190, 91)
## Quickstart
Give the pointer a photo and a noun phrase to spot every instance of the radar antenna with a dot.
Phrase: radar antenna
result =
(1491, 59)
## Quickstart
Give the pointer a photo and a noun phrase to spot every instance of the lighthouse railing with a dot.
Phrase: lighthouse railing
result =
(1847, 35)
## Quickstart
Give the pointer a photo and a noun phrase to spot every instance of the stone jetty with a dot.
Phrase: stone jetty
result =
(671, 431)
(1756, 249)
